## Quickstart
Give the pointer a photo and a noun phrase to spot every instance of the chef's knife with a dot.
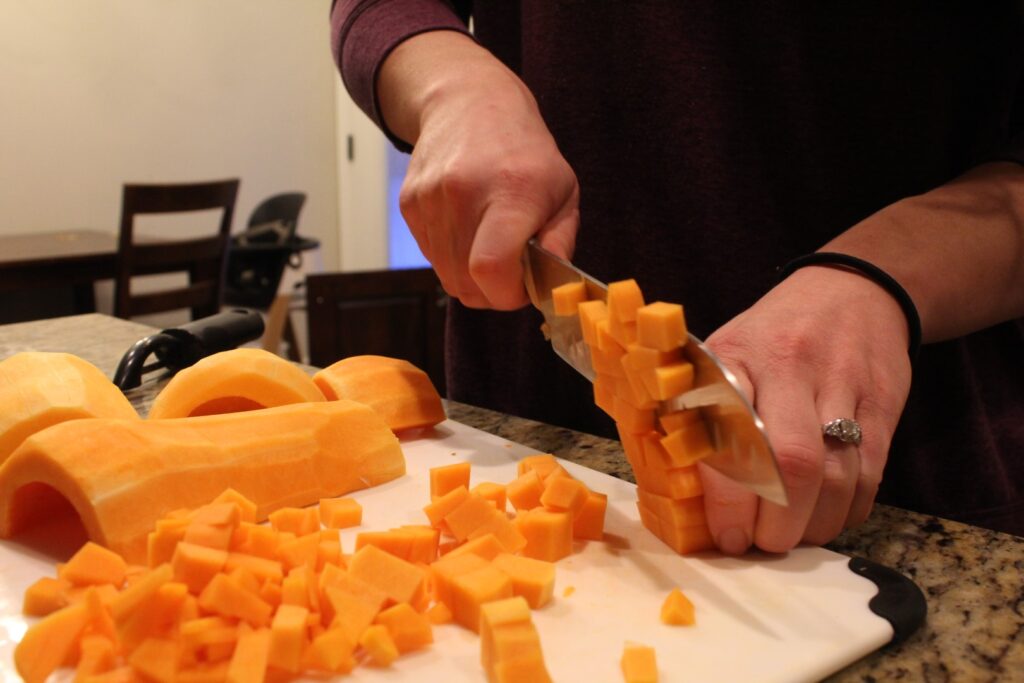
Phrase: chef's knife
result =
(741, 448)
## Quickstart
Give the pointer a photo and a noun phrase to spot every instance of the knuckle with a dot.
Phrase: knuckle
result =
(801, 465)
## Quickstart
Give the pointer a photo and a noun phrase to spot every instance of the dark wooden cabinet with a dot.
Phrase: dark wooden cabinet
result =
(398, 313)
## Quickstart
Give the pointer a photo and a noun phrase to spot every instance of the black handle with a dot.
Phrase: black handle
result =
(899, 601)
(179, 347)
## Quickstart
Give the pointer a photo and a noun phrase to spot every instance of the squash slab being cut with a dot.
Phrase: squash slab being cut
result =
(123, 475)
(39, 389)
(398, 390)
(234, 381)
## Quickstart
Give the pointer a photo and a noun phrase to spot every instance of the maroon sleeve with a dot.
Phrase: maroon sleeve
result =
(364, 32)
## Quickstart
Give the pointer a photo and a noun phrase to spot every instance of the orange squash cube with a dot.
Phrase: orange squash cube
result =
(331, 651)
(661, 326)
(590, 313)
(350, 612)
(249, 661)
(687, 445)
(300, 551)
(288, 637)
(666, 381)
(670, 422)
(532, 579)
(227, 597)
(639, 664)
(472, 589)
(379, 645)
(486, 546)
(564, 494)
(299, 521)
(156, 659)
(438, 508)
(161, 542)
(624, 300)
(677, 610)
(548, 534)
(589, 522)
(524, 492)
(94, 564)
(469, 515)
(494, 492)
(195, 565)
(444, 571)
(340, 513)
(566, 298)
(45, 596)
(409, 629)
(97, 654)
(246, 508)
(401, 581)
(447, 477)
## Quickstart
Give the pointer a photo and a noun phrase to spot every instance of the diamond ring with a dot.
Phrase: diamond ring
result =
(844, 429)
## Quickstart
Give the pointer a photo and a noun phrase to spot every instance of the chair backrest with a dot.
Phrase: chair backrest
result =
(203, 258)
(397, 313)
(258, 256)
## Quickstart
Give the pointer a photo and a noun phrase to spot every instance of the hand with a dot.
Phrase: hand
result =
(485, 176)
(823, 344)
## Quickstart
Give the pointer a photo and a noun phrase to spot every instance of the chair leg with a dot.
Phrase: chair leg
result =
(277, 322)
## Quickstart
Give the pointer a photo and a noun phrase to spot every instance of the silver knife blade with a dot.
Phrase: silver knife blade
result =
(741, 448)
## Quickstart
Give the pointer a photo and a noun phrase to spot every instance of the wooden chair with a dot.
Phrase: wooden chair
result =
(203, 258)
(398, 313)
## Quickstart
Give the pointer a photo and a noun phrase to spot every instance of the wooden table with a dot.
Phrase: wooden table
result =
(45, 261)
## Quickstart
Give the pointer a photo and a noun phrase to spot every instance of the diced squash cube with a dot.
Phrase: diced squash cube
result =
(604, 394)
(677, 610)
(524, 491)
(210, 535)
(624, 300)
(331, 651)
(666, 381)
(486, 546)
(437, 509)
(161, 542)
(301, 551)
(97, 654)
(246, 508)
(590, 312)
(475, 588)
(444, 571)
(229, 598)
(195, 565)
(409, 629)
(218, 514)
(128, 600)
(687, 445)
(541, 463)
(670, 422)
(492, 491)
(251, 656)
(589, 522)
(340, 513)
(288, 637)
(564, 494)
(469, 515)
(566, 298)
(46, 595)
(502, 528)
(50, 643)
(156, 659)
(639, 664)
(532, 579)
(439, 613)
(299, 521)
(661, 326)
(259, 567)
(401, 581)
(255, 539)
(448, 477)
(93, 564)
(379, 645)
(548, 534)
(352, 613)
(632, 418)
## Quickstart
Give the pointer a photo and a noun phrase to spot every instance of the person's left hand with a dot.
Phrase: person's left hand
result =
(823, 344)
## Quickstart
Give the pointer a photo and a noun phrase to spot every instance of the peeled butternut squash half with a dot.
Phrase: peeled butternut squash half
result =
(234, 381)
(121, 476)
(398, 390)
(39, 389)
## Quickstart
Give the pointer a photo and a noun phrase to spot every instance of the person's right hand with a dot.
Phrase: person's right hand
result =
(485, 174)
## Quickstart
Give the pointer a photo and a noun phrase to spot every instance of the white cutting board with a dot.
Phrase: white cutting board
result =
(791, 618)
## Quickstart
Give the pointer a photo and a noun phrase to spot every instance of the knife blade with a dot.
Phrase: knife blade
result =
(741, 448)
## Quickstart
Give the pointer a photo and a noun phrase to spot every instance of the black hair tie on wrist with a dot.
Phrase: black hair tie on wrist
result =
(872, 272)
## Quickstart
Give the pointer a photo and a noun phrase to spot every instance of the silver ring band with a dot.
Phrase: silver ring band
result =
(844, 429)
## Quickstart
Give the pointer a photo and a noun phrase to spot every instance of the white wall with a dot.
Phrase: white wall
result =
(95, 93)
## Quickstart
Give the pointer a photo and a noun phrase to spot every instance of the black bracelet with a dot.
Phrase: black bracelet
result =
(872, 272)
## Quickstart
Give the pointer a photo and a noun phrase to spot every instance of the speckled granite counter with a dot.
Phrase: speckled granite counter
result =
(973, 579)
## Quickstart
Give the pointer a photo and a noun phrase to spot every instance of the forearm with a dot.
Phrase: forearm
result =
(958, 250)
(439, 68)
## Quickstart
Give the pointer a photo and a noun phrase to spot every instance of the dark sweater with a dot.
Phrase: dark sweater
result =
(716, 141)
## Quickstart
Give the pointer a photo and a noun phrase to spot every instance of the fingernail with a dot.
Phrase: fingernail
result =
(733, 541)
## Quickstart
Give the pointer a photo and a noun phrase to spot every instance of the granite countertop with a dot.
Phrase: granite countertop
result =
(972, 578)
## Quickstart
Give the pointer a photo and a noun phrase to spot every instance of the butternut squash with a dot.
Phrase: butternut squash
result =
(639, 664)
(398, 390)
(234, 381)
(121, 476)
(39, 389)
